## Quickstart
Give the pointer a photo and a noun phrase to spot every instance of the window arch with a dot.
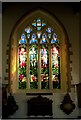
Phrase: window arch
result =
(41, 59)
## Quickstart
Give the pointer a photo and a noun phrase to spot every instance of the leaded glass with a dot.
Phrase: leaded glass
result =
(33, 40)
(44, 40)
(38, 28)
(38, 24)
(55, 66)
(23, 39)
(44, 67)
(33, 67)
(28, 30)
(22, 52)
(54, 40)
(39, 34)
(49, 30)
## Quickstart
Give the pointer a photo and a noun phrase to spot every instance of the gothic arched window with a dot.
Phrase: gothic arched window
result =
(40, 42)
(40, 49)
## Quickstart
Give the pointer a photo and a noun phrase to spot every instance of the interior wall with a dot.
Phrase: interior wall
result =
(71, 23)
(0, 59)
(61, 11)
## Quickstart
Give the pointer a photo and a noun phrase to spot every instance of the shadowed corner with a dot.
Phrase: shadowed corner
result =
(0, 101)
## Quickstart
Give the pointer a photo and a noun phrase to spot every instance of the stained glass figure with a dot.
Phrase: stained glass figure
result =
(33, 40)
(33, 67)
(44, 67)
(55, 66)
(54, 40)
(23, 39)
(22, 52)
(44, 40)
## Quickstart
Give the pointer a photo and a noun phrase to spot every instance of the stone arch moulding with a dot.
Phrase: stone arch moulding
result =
(62, 34)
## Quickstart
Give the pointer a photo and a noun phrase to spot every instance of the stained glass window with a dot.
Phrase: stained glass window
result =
(33, 40)
(44, 67)
(22, 52)
(55, 66)
(44, 39)
(33, 67)
(39, 57)
(54, 40)
(23, 39)
(38, 24)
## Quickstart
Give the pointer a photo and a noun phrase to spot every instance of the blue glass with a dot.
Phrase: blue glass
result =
(44, 38)
(33, 35)
(38, 20)
(28, 30)
(23, 36)
(38, 28)
(54, 40)
(54, 36)
(43, 24)
(49, 30)
(44, 35)
(34, 24)
(33, 40)
(23, 39)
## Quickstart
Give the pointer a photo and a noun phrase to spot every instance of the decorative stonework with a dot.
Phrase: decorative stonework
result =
(7, 63)
(67, 104)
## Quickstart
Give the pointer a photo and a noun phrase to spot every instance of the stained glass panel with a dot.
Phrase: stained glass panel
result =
(39, 34)
(28, 30)
(55, 66)
(54, 40)
(33, 40)
(22, 52)
(44, 67)
(49, 30)
(33, 67)
(23, 39)
(44, 39)
(38, 24)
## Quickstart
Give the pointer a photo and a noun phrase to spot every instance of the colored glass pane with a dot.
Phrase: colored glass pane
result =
(34, 24)
(23, 39)
(33, 40)
(55, 66)
(44, 40)
(39, 34)
(28, 30)
(38, 22)
(38, 28)
(49, 30)
(44, 67)
(33, 67)
(54, 40)
(22, 52)
(43, 24)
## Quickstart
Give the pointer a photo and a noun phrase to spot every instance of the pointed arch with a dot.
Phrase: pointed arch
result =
(64, 48)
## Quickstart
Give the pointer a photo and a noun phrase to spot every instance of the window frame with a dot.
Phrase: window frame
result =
(62, 35)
